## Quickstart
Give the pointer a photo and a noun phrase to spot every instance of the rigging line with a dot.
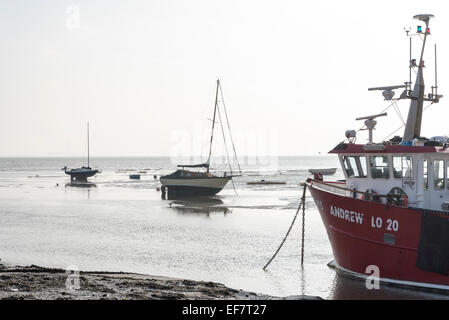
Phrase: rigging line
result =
(224, 138)
(404, 124)
(380, 112)
(233, 186)
(398, 112)
(429, 105)
(229, 128)
(393, 132)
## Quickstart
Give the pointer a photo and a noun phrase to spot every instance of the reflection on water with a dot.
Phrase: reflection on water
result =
(80, 184)
(346, 288)
(85, 186)
(199, 205)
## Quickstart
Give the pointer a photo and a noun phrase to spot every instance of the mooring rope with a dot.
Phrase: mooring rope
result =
(302, 205)
(229, 129)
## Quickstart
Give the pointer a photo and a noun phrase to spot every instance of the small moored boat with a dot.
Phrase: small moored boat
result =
(266, 182)
(325, 171)
(81, 174)
(194, 183)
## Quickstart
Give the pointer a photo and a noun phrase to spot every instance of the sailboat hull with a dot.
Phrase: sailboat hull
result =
(194, 186)
(81, 174)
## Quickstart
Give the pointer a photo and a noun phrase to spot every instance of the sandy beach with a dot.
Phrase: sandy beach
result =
(39, 283)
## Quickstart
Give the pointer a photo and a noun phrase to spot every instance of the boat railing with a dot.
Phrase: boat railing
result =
(337, 188)
(333, 186)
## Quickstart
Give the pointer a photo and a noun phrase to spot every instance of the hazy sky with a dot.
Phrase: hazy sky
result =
(294, 73)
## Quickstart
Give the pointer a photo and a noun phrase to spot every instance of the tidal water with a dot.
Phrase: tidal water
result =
(119, 224)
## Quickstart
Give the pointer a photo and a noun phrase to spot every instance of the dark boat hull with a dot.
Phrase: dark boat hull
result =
(181, 188)
(175, 192)
(81, 176)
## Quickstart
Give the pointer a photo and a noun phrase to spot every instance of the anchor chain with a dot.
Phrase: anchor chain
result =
(302, 205)
(303, 200)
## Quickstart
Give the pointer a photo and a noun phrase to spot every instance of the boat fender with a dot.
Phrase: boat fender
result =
(369, 195)
(352, 186)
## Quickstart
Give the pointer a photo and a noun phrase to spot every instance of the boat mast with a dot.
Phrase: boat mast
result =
(213, 124)
(88, 151)
(413, 125)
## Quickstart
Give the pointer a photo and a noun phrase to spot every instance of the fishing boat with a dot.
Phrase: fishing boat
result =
(81, 174)
(184, 182)
(391, 213)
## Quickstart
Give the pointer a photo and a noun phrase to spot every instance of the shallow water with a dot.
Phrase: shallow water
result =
(118, 224)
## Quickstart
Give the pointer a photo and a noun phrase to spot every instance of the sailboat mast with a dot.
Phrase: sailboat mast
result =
(213, 124)
(88, 149)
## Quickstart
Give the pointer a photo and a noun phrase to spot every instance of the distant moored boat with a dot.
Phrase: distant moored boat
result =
(325, 171)
(81, 174)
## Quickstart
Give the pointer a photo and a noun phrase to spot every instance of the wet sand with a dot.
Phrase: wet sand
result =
(38, 283)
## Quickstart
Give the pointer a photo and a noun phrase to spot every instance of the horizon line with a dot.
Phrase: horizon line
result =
(159, 156)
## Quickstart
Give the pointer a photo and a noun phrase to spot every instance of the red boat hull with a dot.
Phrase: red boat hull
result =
(364, 233)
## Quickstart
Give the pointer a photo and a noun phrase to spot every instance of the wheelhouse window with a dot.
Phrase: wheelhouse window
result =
(447, 174)
(438, 174)
(379, 167)
(355, 166)
(402, 167)
(425, 174)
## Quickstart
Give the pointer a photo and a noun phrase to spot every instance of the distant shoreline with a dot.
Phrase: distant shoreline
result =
(165, 157)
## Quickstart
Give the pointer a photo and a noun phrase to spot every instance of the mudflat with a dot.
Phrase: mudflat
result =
(39, 283)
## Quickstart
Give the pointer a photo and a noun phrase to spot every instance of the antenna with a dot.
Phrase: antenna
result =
(410, 67)
(436, 78)
(388, 92)
(370, 123)
(387, 87)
